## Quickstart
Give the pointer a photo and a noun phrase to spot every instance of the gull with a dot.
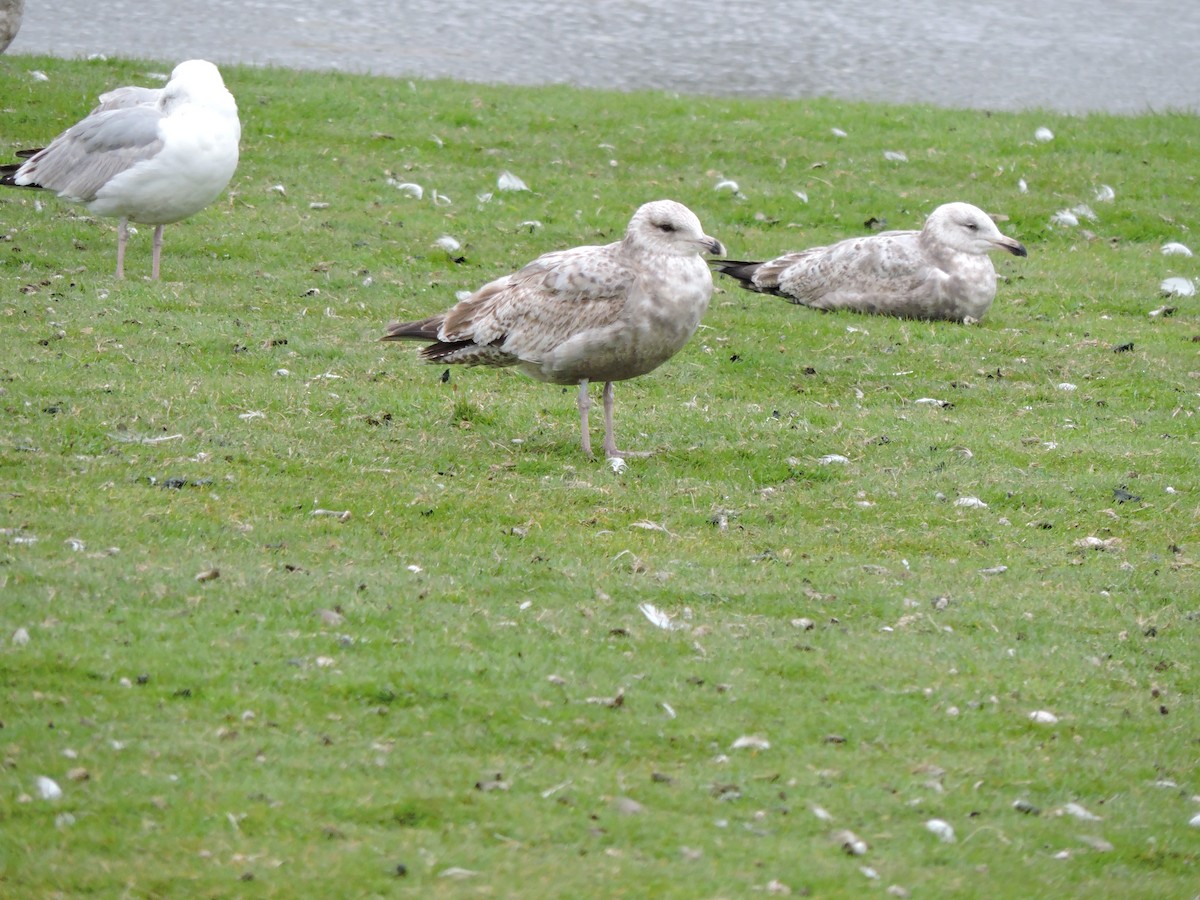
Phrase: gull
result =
(940, 272)
(148, 155)
(594, 313)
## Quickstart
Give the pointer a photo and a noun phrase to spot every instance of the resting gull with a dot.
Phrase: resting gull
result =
(585, 314)
(940, 272)
(149, 155)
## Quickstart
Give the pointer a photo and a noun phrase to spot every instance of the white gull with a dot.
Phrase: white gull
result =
(595, 313)
(940, 272)
(148, 155)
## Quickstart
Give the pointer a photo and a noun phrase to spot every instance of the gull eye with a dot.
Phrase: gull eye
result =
(665, 227)
(971, 226)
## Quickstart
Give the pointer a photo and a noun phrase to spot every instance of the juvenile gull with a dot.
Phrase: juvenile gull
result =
(149, 155)
(592, 313)
(940, 272)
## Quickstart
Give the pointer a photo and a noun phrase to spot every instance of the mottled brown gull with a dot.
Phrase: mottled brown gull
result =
(596, 313)
(940, 272)
(148, 155)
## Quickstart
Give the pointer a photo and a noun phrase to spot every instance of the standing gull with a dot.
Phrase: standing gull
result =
(153, 156)
(940, 272)
(586, 314)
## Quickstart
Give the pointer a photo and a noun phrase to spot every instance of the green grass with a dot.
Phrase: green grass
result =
(237, 742)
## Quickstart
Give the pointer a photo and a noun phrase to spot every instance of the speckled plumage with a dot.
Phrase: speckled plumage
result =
(940, 272)
(148, 155)
(596, 313)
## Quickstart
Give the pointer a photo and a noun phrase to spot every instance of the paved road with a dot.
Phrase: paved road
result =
(1075, 56)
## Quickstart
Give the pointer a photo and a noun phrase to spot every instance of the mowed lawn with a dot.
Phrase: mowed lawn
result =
(894, 608)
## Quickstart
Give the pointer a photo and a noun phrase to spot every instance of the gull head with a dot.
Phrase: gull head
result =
(670, 228)
(968, 229)
(197, 81)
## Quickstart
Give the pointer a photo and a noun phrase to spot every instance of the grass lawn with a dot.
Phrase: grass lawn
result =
(284, 612)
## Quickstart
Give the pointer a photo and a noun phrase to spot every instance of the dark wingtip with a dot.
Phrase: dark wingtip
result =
(8, 178)
(731, 266)
(742, 270)
(8, 171)
(392, 333)
(424, 330)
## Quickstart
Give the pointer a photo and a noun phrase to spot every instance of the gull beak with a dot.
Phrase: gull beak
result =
(1016, 248)
(712, 245)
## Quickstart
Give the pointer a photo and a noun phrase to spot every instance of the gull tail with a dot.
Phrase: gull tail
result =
(427, 330)
(462, 352)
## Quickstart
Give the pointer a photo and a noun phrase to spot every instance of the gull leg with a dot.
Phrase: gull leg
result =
(122, 237)
(610, 441)
(585, 403)
(157, 251)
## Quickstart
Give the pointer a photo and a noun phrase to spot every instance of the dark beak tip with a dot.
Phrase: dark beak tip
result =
(1019, 250)
(716, 248)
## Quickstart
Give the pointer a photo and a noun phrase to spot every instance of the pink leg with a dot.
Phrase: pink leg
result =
(157, 251)
(610, 441)
(585, 403)
(122, 237)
